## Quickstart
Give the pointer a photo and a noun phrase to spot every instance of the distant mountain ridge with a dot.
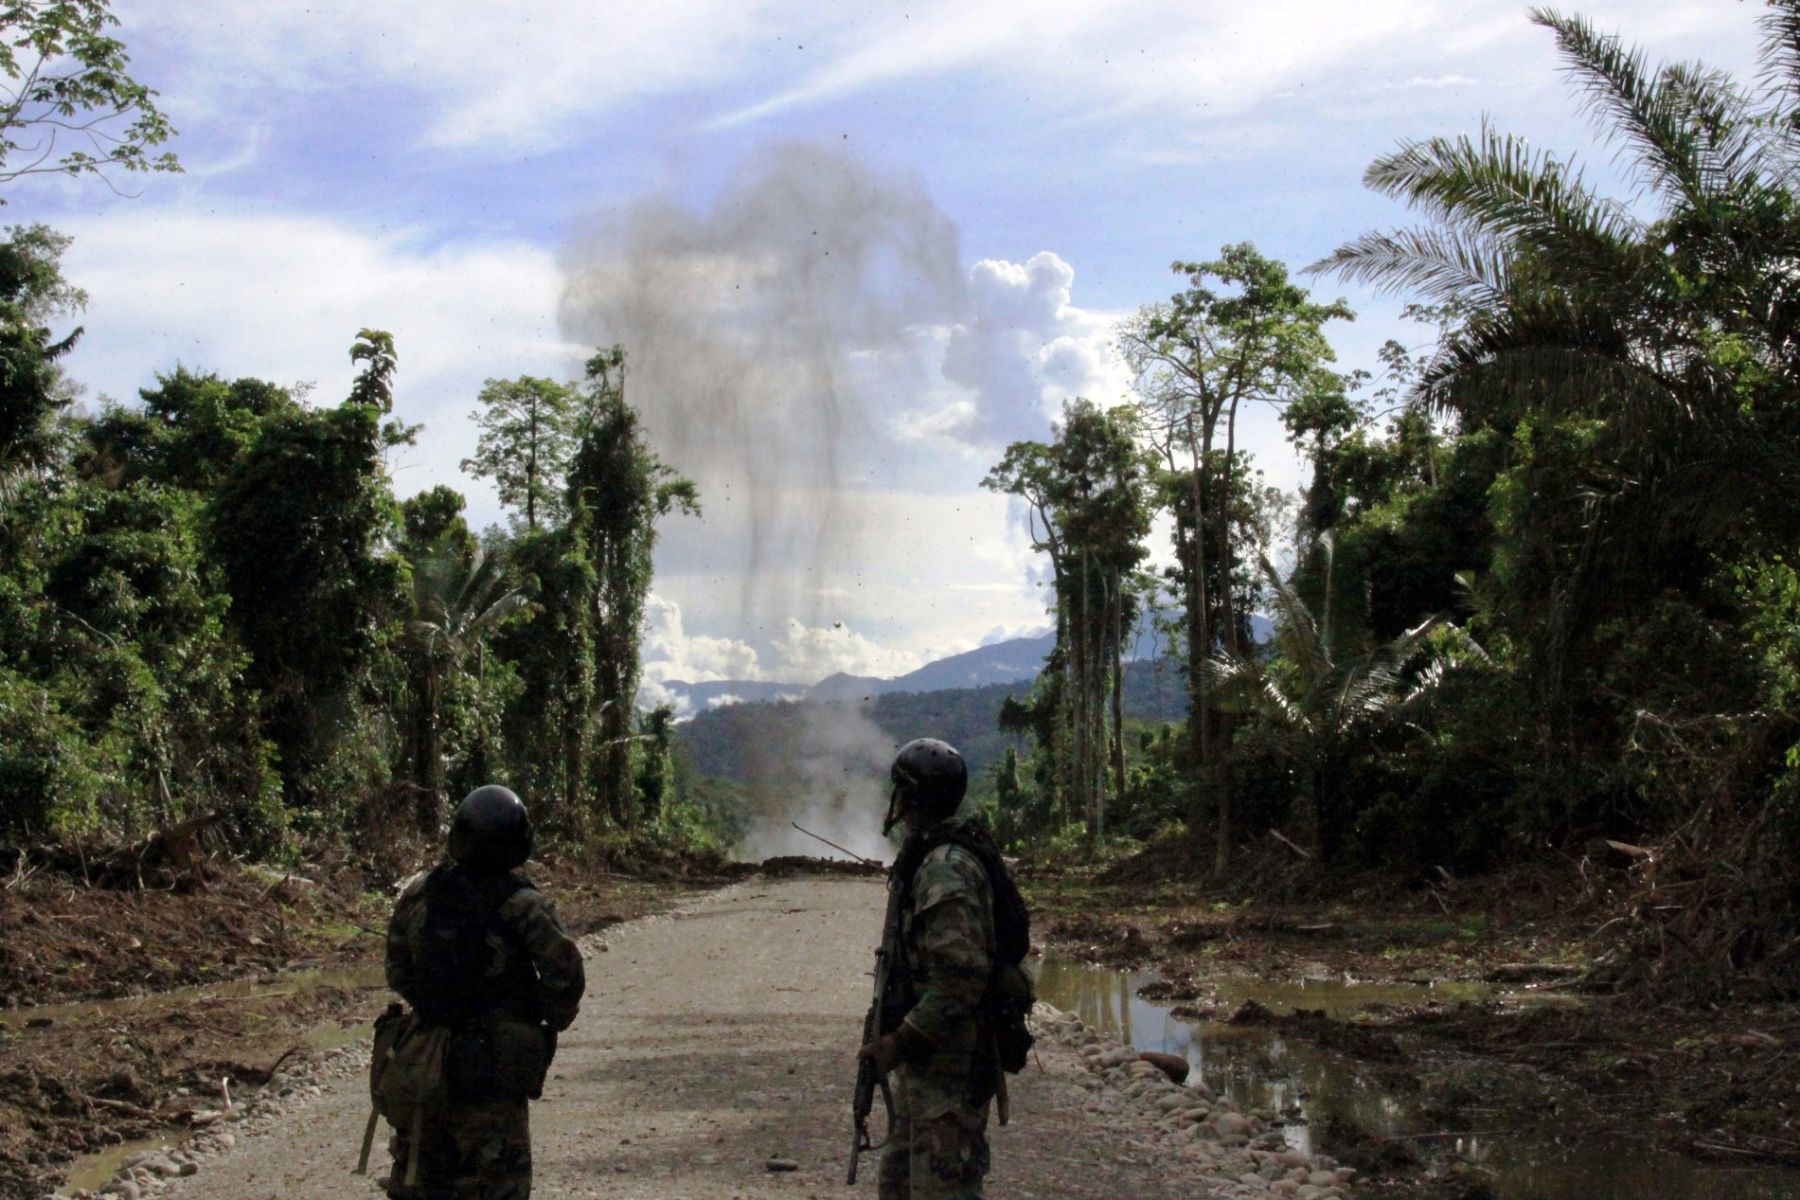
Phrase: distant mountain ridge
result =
(1015, 660)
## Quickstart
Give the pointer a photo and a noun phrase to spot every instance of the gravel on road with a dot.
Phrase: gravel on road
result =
(713, 1040)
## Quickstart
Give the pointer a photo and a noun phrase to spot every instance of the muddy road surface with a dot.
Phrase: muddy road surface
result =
(712, 1040)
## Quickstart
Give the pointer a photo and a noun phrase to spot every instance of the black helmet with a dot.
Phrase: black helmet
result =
(492, 831)
(930, 778)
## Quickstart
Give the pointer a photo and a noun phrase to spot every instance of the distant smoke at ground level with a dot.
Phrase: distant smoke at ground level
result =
(840, 792)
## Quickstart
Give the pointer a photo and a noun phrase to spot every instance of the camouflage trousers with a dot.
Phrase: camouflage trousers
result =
(938, 1147)
(469, 1151)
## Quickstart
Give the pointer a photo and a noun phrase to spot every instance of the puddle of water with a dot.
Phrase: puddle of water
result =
(87, 1012)
(94, 1170)
(1519, 1145)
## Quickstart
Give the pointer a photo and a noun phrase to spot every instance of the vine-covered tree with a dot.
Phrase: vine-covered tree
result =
(302, 526)
(618, 490)
(1087, 496)
(1241, 333)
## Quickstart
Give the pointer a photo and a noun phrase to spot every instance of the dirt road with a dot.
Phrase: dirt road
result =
(713, 1039)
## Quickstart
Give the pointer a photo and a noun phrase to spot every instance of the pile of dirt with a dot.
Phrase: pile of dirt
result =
(786, 866)
(63, 940)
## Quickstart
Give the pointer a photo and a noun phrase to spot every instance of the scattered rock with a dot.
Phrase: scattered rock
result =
(781, 1164)
(1172, 1065)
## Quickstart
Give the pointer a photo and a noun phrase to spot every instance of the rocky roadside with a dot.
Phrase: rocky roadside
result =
(1238, 1154)
(149, 1172)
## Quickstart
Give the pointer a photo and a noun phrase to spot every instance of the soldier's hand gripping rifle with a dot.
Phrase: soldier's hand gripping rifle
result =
(868, 1074)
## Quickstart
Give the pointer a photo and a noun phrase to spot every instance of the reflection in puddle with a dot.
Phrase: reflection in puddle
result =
(1527, 1153)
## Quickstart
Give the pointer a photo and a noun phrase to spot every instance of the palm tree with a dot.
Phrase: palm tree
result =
(1679, 330)
(1665, 331)
(456, 602)
(1327, 698)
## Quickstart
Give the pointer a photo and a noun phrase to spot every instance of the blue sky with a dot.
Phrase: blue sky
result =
(502, 184)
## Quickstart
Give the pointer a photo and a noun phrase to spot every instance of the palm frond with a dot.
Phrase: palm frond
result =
(1233, 683)
(1285, 707)
(1296, 634)
(1373, 685)
(1496, 185)
(1676, 120)
(1779, 73)
(1240, 684)
(1572, 361)
(1442, 264)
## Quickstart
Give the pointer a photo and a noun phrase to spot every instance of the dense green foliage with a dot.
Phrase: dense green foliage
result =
(1543, 592)
(213, 601)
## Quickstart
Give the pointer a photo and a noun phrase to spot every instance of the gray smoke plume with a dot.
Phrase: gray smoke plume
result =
(750, 327)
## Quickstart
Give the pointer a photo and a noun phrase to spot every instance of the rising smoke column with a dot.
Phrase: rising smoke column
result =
(742, 322)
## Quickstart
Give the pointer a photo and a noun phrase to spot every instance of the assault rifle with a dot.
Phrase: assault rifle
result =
(867, 1077)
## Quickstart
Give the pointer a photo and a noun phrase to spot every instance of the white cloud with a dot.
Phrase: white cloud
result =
(281, 297)
(1025, 350)
(517, 74)
(670, 652)
(800, 653)
(810, 653)
(524, 74)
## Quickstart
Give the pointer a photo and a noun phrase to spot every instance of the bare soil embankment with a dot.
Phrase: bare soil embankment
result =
(123, 1012)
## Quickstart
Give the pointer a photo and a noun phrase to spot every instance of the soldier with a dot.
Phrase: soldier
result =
(941, 1054)
(478, 952)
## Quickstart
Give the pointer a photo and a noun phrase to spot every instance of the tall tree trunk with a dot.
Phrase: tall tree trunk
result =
(1059, 749)
(1228, 616)
(1084, 799)
(434, 741)
(1199, 640)
(424, 741)
(1118, 691)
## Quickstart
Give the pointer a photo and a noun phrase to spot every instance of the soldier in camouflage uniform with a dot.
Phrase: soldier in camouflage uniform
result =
(473, 946)
(943, 1063)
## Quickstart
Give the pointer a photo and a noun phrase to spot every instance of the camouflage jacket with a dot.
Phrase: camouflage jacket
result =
(531, 947)
(947, 949)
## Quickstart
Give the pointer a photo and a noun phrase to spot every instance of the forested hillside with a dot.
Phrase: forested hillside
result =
(762, 739)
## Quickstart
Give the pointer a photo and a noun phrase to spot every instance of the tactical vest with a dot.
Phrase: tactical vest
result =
(1009, 997)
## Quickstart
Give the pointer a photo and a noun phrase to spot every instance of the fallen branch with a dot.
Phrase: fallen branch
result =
(276, 1065)
(123, 1106)
(1283, 839)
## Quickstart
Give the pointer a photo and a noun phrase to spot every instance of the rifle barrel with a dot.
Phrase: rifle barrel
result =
(867, 862)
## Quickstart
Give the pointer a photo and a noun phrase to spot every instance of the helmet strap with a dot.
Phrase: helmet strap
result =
(893, 811)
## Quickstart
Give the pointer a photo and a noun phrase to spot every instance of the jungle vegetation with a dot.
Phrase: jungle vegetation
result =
(1538, 592)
